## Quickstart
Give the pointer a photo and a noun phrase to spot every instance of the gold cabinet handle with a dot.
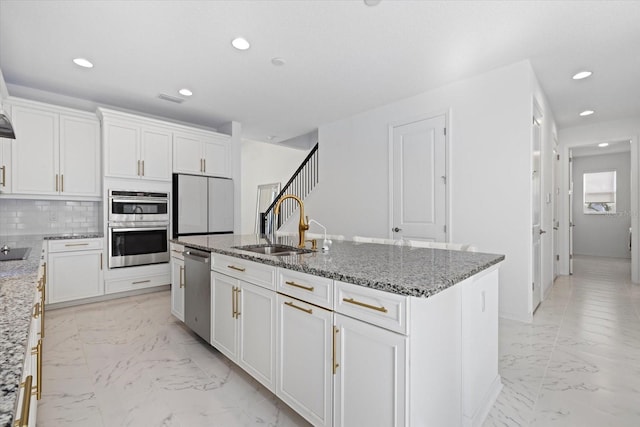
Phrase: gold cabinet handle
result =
(233, 267)
(143, 168)
(306, 310)
(177, 252)
(182, 276)
(23, 421)
(37, 350)
(45, 273)
(43, 292)
(364, 304)
(61, 182)
(201, 168)
(101, 261)
(56, 182)
(204, 165)
(69, 245)
(140, 281)
(138, 171)
(4, 175)
(233, 302)
(335, 361)
(237, 302)
(297, 285)
(36, 310)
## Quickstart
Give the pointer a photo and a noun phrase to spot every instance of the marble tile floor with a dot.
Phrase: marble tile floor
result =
(578, 363)
(128, 362)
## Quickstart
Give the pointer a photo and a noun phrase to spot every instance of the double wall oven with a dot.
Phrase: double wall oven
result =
(138, 228)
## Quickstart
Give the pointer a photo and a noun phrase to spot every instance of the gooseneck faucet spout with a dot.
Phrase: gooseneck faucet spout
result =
(302, 225)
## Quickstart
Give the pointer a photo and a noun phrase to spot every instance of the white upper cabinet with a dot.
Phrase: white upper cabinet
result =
(56, 151)
(201, 153)
(134, 148)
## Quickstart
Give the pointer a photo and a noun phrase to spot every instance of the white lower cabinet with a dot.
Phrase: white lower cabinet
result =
(177, 287)
(243, 325)
(75, 269)
(370, 382)
(305, 359)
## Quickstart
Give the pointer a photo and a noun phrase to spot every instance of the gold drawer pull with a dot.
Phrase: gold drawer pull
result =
(297, 285)
(178, 252)
(140, 281)
(364, 304)
(306, 310)
(75, 244)
(26, 403)
(336, 365)
(233, 267)
(36, 310)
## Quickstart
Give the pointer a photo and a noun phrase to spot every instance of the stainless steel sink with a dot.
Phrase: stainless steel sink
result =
(275, 250)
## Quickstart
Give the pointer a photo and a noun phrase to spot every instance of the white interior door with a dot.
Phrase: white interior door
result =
(536, 227)
(418, 174)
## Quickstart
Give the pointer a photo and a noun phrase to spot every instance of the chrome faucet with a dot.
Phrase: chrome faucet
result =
(302, 225)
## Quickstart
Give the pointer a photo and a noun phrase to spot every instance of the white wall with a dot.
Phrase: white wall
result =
(263, 163)
(603, 235)
(489, 171)
(615, 130)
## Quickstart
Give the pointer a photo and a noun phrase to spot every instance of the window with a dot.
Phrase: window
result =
(600, 192)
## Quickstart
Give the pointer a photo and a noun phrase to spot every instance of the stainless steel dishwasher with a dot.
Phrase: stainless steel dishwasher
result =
(197, 292)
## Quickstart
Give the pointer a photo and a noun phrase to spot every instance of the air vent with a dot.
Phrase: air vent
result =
(170, 98)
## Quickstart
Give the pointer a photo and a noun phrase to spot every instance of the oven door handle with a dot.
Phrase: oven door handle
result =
(121, 230)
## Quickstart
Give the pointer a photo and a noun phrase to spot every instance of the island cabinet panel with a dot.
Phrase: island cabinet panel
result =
(384, 309)
(370, 381)
(243, 325)
(480, 379)
(305, 359)
(312, 289)
(177, 281)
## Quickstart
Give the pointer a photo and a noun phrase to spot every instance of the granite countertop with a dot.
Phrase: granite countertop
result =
(402, 270)
(18, 290)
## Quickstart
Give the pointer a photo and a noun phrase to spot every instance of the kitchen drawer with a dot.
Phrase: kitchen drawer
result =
(134, 283)
(177, 250)
(313, 289)
(75, 245)
(249, 271)
(384, 309)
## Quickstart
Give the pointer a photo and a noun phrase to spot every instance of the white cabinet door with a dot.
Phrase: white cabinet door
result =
(177, 288)
(121, 150)
(5, 166)
(223, 319)
(74, 275)
(35, 151)
(257, 318)
(305, 359)
(370, 385)
(79, 156)
(187, 154)
(480, 378)
(216, 157)
(156, 154)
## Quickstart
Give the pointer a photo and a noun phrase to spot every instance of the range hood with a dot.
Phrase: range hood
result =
(6, 129)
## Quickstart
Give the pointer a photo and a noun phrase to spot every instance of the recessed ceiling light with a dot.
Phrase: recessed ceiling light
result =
(240, 43)
(278, 62)
(587, 113)
(582, 75)
(82, 62)
(603, 144)
(185, 92)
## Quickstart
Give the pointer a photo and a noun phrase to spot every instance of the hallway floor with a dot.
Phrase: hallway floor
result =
(129, 362)
(578, 363)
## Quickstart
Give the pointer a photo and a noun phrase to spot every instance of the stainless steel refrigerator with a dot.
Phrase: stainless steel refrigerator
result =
(202, 205)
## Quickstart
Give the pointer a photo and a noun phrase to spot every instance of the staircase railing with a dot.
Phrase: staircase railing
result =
(302, 182)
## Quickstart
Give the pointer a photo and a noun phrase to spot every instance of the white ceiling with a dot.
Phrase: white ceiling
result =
(342, 57)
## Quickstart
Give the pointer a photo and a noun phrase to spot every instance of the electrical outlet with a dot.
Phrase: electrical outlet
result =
(53, 216)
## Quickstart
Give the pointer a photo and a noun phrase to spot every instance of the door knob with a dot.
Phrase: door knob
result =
(396, 229)
(542, 231)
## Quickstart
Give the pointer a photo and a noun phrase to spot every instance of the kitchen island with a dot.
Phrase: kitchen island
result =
(363, 334)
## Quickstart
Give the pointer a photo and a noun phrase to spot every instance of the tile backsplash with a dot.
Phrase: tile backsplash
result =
(21, 216)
